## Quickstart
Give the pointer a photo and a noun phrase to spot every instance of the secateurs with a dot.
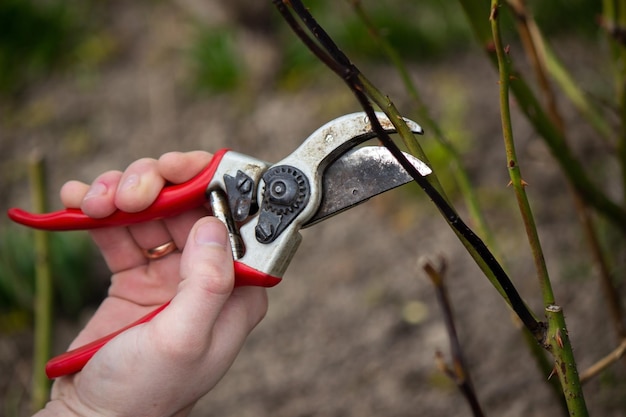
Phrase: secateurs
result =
(263, 205)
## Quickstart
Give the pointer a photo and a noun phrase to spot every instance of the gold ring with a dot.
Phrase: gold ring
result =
(160, 251)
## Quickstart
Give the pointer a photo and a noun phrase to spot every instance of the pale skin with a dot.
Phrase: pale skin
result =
(163, 367)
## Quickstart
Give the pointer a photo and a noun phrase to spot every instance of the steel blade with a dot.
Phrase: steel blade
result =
(359, 175)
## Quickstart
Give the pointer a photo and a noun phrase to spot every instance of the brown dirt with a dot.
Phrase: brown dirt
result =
(338, 339)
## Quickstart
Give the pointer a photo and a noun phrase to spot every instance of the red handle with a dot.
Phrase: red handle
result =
(173, 200)
(74, 360)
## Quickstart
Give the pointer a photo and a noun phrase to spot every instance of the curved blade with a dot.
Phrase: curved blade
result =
(359, 175)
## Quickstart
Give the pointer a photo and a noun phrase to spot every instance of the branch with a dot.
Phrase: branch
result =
(327, 51)
(459, 372)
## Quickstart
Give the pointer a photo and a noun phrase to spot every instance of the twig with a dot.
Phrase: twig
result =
(512, 162)
(329, 54)
(43, 288)
(603, 363)
(459, 372)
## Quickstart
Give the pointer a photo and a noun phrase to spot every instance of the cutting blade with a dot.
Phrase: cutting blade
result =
(359, 175)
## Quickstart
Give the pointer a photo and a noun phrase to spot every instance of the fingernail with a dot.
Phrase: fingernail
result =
(129, 182)
(211, 233)
(96, 190)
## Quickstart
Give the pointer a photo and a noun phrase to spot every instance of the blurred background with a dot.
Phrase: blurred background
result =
(93, 85)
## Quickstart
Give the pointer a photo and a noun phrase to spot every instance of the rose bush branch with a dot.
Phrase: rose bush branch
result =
(557, 341)
(531, 107)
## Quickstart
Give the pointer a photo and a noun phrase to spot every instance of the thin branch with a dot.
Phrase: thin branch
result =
(557, 341)
(603, 363)
(536, 50)
(361, 88)
(459, 372)
(534, 112)
(512, 162)
(43, 288)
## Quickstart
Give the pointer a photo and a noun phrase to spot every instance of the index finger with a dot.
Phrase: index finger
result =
(178, 167)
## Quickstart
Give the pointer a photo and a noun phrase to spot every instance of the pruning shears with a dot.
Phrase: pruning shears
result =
(263, 205)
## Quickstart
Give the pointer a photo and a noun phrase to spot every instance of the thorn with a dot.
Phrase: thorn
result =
(439, 360)
(552, 372)
(558, 338)
(443, 366)
(522, 183)
(507, 49)
(494, 13)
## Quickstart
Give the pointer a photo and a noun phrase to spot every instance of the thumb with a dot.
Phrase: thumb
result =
(207, 280)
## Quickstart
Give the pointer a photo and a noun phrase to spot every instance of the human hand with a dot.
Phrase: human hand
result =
(160, 368)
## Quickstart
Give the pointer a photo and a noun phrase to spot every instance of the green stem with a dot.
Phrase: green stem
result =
(43, 289)
(512, 161)
(407, 136)
(536, 115)
(614, 23)
(577, 96)
(558, 343)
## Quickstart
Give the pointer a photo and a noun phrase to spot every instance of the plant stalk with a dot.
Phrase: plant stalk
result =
(557, 341)
(459, 372)
(534, 112)
(43, 288)
(515, 174)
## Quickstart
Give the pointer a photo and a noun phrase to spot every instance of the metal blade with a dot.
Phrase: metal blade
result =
(359, 175)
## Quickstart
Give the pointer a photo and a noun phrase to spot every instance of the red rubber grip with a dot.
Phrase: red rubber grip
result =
(173, 200)
(73, 361)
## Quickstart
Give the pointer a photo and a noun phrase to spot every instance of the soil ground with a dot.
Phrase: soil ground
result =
(354, 328)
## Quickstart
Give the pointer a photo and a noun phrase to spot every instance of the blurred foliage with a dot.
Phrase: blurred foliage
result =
(418, 31)
(67, 35)
(216, 65)
(34, 38)
(556, 17)
(38, 38)
(71, 256)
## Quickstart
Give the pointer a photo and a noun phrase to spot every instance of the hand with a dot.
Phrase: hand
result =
(160, 368)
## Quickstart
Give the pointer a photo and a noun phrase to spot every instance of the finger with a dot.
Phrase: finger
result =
(207, 282)
(178, 167)
(72, 193)
(180, 226)
(99, 202)
(139, 186)
(149, 235)
(118, 248)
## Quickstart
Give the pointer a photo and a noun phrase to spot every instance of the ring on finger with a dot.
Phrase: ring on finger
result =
(160, 251)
